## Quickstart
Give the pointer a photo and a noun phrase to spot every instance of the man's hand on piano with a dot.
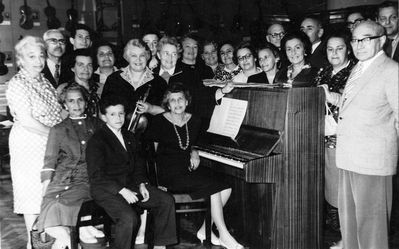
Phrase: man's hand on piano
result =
(194, 160)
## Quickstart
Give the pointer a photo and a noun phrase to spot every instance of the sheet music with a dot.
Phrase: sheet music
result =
(227, 117)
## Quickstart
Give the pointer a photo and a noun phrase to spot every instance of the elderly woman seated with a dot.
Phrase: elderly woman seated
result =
(64, 175)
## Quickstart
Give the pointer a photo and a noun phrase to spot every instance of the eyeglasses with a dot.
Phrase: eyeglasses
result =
(277, 35)
(56, 41)
(356, 21)
(365, 40)
(223, 53)
(245, 57)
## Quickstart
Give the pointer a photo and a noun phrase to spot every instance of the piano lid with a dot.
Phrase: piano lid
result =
(251, 141)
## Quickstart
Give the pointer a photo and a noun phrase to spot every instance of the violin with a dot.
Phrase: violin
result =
(1, 11)
(26, 20)
(72, 15)
(52, 21)
(138, 122)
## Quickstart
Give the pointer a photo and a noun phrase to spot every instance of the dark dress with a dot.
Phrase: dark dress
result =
(65, 165)
(304, 79)
(173, 162)
(223, 75)
(118, 84)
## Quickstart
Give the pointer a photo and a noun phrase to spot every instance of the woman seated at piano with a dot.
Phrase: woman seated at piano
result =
(245, 54)
(174, 133)
(269, 58)
(64, 174)
(296, 48)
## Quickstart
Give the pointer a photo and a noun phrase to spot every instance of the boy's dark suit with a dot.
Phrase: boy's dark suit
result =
(111, 167)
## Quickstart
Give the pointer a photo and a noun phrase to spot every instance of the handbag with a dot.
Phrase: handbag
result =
(330, 125)
(40, 240)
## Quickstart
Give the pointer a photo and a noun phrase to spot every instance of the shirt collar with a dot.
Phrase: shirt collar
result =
(315, 45)
(367, 63)
(115, 131)
(347, 64)
(50, 63)
(170, 71)
(99, 73)
(148, 76)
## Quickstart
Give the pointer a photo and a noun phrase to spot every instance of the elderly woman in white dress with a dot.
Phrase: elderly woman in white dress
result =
(33, 104)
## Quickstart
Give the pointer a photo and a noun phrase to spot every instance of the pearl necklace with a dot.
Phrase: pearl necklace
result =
(179, 138)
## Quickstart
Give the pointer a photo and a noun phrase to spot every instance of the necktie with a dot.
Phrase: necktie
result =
(57, 72)
(388, 47)
(165, 75)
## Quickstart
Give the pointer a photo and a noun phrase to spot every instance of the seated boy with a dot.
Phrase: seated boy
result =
(117, 179)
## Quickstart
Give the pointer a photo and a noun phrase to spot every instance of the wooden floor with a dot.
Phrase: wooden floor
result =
(13, 232)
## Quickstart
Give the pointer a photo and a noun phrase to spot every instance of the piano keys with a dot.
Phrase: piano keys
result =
(276, 165)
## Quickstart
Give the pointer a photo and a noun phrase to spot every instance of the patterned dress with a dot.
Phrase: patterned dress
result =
(29, 97)
(223, 74)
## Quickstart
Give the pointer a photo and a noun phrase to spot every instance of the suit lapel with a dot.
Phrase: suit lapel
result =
(114, 141)
(396, 54)
(128, 142)
(47, 74)
(366, 78)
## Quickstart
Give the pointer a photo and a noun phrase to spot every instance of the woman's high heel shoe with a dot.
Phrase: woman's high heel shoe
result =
(86, 237)
(214, 239)
(235, 246)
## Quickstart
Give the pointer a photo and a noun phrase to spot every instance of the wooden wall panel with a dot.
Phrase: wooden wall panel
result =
(10, 34)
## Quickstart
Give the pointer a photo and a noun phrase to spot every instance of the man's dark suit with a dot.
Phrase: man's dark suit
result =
(318, 58)
(388, 50)
(66, 75)
(111, 168)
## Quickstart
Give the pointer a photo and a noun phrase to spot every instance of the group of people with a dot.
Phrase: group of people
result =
(70, 142)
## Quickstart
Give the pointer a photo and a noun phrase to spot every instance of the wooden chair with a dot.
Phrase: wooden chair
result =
(184, 203)
(90, 214)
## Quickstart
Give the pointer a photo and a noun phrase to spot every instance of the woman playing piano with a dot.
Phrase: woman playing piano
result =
(173, 133)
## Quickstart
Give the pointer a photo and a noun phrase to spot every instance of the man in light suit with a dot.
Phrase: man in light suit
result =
(367, 141)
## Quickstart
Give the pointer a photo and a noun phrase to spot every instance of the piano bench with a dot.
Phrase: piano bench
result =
(185, 204)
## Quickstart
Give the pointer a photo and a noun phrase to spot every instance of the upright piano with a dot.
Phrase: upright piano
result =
(276, 168)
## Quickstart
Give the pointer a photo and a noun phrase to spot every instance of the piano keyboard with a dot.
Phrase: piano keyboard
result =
(222, 159)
